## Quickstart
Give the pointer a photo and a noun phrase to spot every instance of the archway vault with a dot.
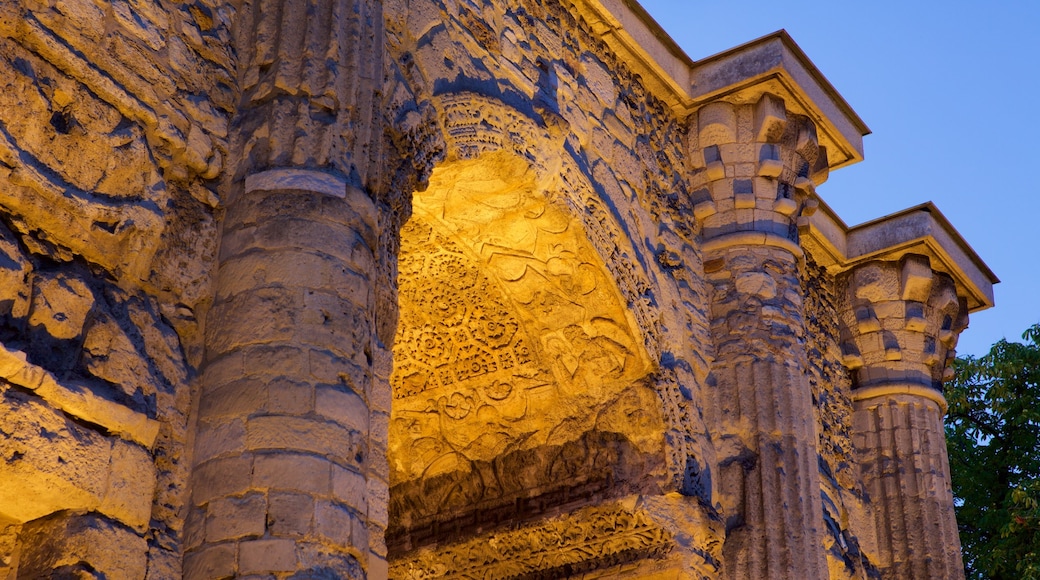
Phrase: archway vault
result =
(520, 380)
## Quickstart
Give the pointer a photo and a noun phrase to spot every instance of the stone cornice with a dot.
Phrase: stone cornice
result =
(644, 46)
(77, 401)
(921, 229)
(771, 64)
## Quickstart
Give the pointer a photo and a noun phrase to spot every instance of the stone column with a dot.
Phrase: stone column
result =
(290, 474)
(756, 168)
(901, 321)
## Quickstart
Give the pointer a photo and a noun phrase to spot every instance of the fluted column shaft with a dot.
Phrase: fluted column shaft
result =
(900, 326)
(751, 182)
(901, 448)
(767, 442)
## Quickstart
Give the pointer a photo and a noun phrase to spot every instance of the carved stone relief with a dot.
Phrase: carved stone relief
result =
(585, 540)
(113, 128)
(514, 356)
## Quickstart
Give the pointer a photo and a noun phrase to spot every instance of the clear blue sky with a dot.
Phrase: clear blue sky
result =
(951, 91)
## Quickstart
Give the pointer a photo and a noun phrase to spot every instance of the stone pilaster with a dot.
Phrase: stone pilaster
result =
(901, 321)
(756, 164)
(290, 472)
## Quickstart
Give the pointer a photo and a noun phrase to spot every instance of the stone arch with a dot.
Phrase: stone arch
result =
(537, 79)
(521, 380)
(535, 83)
(475, 125)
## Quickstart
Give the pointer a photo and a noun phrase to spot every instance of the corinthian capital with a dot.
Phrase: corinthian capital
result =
(900, 324)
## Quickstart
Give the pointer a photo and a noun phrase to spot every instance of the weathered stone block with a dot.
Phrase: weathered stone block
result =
(916, 278)
(874, 282)
(258, 317)
(51, 463)
(342, 406)
(716, 124)
(144, 19)
(60, 305)
(131, 486)
(380, 427)
(221, 477)
(194, 528)
(326, 367)
(257, 207)
(290, 514)
(280, 433)
(287, 397)
(770, 119)
(111, 355)
(333, 522)
(290, 233)
(88, 16)
(266, 556)
(336, 324)
(216, 439)
(66, 543)
(15, 275)
(377, 540)
(292, 471)
(240, 398)
(378, 501)
(757, 284)
(716, 170)
(889, 310)
(349, 487)
(808, 145)
(290, 269)
(230, 518)
(238, 241)
(704, 209)
(275, 360)
(224, 370)
(210, 563)
(785, 206)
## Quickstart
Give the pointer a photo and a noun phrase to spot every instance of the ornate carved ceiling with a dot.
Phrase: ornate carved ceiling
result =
(513, 339)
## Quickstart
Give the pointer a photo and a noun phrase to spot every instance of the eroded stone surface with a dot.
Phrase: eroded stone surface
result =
(508, 335)
(71, 545)
(107, 154)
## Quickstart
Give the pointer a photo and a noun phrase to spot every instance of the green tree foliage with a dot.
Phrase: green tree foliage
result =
(993, 436)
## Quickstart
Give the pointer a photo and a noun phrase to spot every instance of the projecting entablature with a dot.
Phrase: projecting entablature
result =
(921, 230)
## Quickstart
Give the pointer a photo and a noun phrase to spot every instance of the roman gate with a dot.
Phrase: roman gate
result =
(454, 289)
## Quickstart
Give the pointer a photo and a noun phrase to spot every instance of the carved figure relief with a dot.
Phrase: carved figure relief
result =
(514, 354)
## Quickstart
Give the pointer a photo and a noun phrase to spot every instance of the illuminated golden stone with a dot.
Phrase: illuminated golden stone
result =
(375, 288)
